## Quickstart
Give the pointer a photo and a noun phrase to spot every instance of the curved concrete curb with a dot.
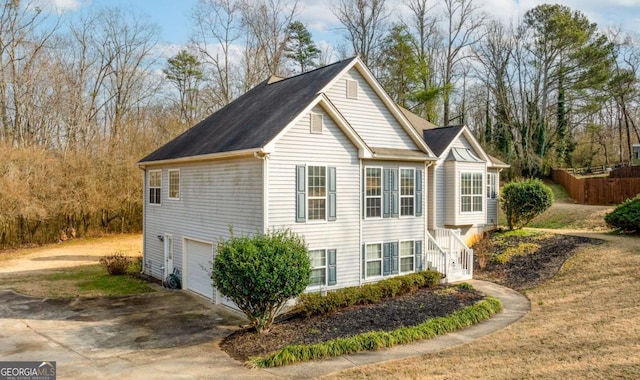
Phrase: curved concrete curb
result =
(514, 304)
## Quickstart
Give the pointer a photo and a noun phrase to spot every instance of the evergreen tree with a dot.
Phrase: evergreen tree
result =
(184, 71)
(300, 48)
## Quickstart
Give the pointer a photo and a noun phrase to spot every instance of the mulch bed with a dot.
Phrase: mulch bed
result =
(525, 272)
(388, 315)
(521, 272)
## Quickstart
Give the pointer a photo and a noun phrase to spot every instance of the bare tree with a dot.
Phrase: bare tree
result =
(364, 22)
(463, 25)
(266, 22)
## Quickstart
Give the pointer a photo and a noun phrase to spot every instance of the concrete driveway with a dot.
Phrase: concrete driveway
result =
(165, 334)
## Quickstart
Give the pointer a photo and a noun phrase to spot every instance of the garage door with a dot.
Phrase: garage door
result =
(199, 257)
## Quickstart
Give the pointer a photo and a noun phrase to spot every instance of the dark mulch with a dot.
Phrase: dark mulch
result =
(521, 272)
(525, 272)
(388, 315)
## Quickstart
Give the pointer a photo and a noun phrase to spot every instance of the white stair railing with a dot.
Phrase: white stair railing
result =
(459, 257)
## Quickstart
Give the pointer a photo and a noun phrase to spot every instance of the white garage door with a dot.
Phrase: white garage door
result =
(199, 258)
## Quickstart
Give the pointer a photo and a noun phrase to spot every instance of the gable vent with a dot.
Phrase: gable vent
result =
(352, 89)
(316, 123)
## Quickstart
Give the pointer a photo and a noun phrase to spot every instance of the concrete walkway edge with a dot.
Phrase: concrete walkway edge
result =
(514, 307)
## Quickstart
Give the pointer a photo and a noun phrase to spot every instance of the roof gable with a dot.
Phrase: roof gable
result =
(439, 139)
(253, 119)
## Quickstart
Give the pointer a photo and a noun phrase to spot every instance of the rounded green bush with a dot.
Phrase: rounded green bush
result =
(261, 273)
(626, 216)
(524, 200)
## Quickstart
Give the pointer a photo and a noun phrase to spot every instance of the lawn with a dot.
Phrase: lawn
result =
(584, 324)
(84, 281)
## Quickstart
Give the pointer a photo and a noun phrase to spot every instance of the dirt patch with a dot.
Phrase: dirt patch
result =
(408, 310)
(526, 271)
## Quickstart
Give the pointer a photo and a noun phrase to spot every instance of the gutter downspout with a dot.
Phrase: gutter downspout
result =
(144, 219)
(265, 189)
(360, 218)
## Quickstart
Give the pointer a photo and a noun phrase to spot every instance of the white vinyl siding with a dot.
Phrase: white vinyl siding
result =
(155, 186)
(214, 196)
(368, 115)
(174, 184)
(298, 149)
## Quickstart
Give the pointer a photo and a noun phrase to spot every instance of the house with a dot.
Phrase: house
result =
(326, 154)
(635, 158)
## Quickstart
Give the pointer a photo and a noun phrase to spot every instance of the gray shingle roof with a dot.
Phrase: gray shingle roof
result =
(439, 139)
(253, 119)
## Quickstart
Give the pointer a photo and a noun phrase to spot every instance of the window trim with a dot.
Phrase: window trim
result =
(170, 171)
(367, 261)
(492, 188)
(472, 195)
(325, 197)
(150, 187)
(413, 256)
(412, 196)
(366, 215)
(325, 267)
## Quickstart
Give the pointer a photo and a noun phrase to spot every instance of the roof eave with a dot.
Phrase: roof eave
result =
(203, 157)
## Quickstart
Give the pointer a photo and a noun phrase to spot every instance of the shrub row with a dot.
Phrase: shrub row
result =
(315, 304)
(379, 339)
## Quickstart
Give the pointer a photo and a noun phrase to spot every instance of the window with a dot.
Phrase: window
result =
(492, 185)
(174, 184)
(407, 187)
(471, 192)
(407, 255)
(316, 123)
(316, 193)
(373, 260)
(352, 89)
(155, 186)
(318, 267)
(373, 192)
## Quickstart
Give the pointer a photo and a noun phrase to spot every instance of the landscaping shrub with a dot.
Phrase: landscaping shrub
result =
(483, 249)
(116, 264)
(524, 200)
(261, 273)
(316, 304)
(626, 216)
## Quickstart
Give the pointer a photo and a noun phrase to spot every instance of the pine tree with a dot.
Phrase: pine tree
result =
(300, 48)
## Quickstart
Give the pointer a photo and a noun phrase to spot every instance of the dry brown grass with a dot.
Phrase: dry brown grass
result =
(584, 323)
(27, 270)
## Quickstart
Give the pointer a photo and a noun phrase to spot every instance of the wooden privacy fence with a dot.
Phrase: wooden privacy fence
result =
(597, 191)
(625, 172)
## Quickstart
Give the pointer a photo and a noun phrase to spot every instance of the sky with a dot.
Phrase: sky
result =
(174, 16)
